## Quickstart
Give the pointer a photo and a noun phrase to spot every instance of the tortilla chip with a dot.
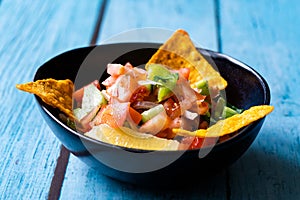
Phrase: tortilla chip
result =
(231, 124)
(56, 93)
(180, 52)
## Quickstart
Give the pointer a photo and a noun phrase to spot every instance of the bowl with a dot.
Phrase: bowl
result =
(245, 88)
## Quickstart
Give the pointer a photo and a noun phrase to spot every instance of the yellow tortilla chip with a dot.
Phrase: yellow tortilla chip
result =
(231, 124)
(180, 52)
(56, 93)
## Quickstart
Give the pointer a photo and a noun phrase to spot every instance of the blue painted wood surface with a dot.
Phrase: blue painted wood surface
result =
(263, 34)
(201, 24)
(197, 18)
(31, 33)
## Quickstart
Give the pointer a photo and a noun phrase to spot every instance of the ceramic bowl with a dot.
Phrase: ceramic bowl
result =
(245, 88)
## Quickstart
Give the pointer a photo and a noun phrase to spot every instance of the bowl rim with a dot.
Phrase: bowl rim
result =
(241, 133)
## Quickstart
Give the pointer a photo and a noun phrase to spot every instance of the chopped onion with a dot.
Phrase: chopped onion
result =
(190, 115)
(148, 82)
(144, 105)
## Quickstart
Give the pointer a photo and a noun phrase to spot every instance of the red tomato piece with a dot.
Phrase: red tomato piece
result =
(203, 107)
(190, 142)
(134, 115)
(114, 115)
(109, 81)
(128, 66)
(115, 69)
(172, 108)
(184, 72)
(139, 94)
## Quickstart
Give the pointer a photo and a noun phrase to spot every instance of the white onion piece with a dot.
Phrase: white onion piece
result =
(144, 105)
(190, 115)
(148, 82)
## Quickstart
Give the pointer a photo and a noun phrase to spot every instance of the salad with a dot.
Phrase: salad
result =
(176, 102)
(153, 101)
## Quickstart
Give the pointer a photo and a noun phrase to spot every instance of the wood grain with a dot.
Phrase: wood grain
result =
(63, 159)
(31, 33)
(196, 17)
(265, 35)
(82, 182)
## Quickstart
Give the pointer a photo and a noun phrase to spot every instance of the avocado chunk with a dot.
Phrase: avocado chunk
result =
(228, 112)
(203, 86)
(163, 93)
(165, 77)
(161, 74)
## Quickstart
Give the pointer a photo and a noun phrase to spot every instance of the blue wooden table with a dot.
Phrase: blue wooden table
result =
(264, 34)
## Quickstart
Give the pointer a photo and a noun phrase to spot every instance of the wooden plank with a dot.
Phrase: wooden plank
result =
(83, 182)
(63, 159)
(31, 33)
(265, 35)
(196, 17)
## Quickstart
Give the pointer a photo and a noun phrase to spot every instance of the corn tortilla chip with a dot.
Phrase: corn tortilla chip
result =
(56, 93)
(180, 52)
(231, 124)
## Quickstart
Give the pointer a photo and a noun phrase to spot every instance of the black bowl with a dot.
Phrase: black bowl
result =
(246, 88)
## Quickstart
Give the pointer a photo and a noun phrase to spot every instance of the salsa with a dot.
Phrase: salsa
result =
(153, 101)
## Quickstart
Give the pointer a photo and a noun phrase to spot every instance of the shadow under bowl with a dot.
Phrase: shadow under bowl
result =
(245, 88)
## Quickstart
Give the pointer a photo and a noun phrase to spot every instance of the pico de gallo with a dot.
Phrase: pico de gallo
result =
(152, 101)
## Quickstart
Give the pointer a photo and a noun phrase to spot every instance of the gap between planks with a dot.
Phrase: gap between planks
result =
(218, 25)
(220, 49)
(63, 159)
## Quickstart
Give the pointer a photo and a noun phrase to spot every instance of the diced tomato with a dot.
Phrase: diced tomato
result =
(114, 115)
(104, 116)
(203, 125)
(190, 142)
(203, 107)
(128, 66)
(135, 116)
(162, 134)
(197, 143)
(172, 108)
(118, 69)
(184, 72)
(115, 69)
(167, 133)
(200, 96)
(78, 94)
(127, 84)
(139, 94)
(109, 81)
